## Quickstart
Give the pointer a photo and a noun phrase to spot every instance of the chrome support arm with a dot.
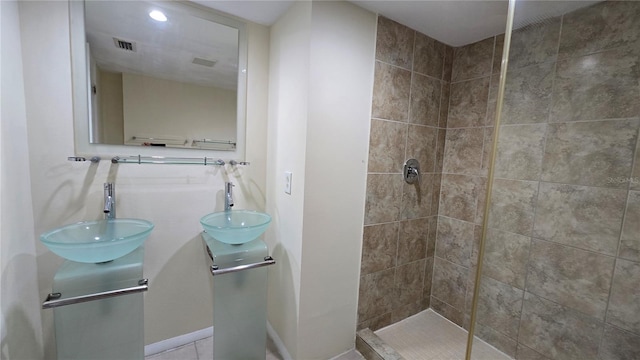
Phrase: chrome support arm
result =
(55, 299)
(215, 270)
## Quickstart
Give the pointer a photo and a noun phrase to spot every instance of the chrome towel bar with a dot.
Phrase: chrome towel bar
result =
(139, 159)
(55, 299)
(215, 270)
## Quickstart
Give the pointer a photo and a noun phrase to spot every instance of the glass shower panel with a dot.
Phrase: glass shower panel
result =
(561, 263)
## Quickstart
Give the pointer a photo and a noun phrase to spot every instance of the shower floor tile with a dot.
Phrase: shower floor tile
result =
(429, 336)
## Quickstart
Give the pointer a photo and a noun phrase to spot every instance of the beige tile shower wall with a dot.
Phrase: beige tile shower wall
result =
(410, 99)
(562, 263)
(464, 176)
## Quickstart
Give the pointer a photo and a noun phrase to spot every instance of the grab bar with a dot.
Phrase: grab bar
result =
(215, 270)
(54, 299)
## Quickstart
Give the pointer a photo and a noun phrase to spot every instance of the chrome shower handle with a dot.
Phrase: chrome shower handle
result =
(411, 171)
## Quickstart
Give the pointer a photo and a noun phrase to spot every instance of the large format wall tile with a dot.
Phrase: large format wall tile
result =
(482, 199)
(425, 100)
(619, 345)
(412, 242)
(444, 104)
(459, 196)
(624, 304)
(431, 237)
(486, 150)
(557, 331)
(455, 241)
(375, 323)
(416, 198)
(449, 283)
(428, 277)
(463, 151)
(421, 145)
(512, 205)
(408, 282)
(376, 294)
(599, 86)
(520, 151)
(411, 73)
(525, 353)
(505, 257)
(630, 238)
(590, 153)
(394, 43)
(499, 306)
(448, 63)
(534, 44)
(440, 147)
(404, 311)
(387, 146)
(435, 200)
(429, 56)
(580, 216)
(379, 247)
(472, 61)
(448, 311)
(468, 103)
(497, 55)
(490, 119)
(383, 198)
(606, 25)
(635, 175)
(575, 278)
(498, 340)
(391, 87)
(527, 96)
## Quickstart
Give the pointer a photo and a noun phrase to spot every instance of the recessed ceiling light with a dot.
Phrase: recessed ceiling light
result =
(157, 15)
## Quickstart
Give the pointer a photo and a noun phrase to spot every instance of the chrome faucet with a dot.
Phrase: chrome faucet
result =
(228, 196)
(109, 200)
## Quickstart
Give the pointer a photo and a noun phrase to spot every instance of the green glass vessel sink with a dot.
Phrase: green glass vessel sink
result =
(97, 241)
(235, 226)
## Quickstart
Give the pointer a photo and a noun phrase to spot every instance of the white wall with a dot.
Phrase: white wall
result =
(172, 197)
(160, 108)
(321, 79)
(20, 326)
(288, 111)
(322, 62)
(110, 106)
(342, 68)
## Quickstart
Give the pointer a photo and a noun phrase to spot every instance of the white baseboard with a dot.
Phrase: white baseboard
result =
(185, 339)
(177, 341)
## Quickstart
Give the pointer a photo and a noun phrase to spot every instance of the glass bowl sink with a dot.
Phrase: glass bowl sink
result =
(235, 226)
(97, 241)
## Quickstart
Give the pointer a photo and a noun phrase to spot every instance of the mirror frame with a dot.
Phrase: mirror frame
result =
(81, 86)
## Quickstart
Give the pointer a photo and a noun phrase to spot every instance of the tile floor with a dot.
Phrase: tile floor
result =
(203, 349)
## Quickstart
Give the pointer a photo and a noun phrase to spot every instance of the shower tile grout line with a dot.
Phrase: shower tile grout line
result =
(535, 209)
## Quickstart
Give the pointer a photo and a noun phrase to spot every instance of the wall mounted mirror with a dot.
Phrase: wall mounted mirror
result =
(157, 78)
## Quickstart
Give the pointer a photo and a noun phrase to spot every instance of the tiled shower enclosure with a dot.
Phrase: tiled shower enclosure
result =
(562, 262)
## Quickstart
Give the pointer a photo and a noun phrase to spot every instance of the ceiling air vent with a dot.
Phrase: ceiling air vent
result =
(125, 45)
(204, 62)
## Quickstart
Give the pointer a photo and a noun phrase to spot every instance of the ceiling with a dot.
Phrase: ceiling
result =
(185, 48)
(176, 50)
(453, 22)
